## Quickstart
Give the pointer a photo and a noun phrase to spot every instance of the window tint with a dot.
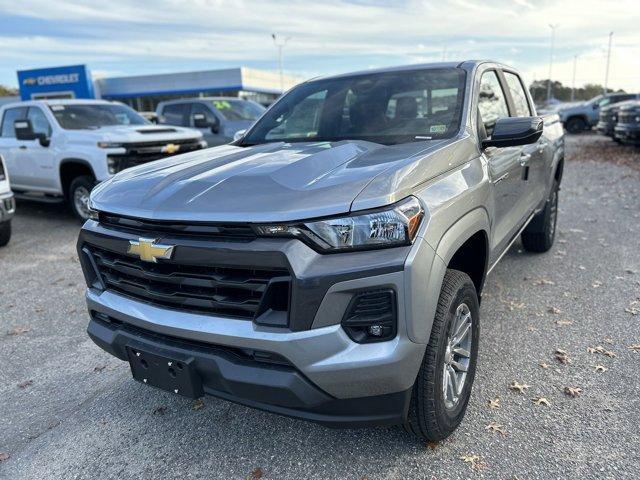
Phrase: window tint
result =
(518, 95)
(491, 103)
(10, 116)
(302, 122)
(201, 109)
(174, 114)
(39, 122)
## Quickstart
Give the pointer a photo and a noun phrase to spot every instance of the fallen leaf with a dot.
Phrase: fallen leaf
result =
(600, 368)
(495, 403)
(544, 281)
(432, 445)
(475, 462)
(582, 267)
(4, 456)
(635, 347)
(256, 474)
(554, 310)
(496, 427)
(99, 368)
(562, 357)
(198, 405)
(563, 323)
(19, 330)
(632, 310)
(572, 391)
(532, 329)
(600, 349)
(596, 284)
(629, 271)
(542, 401)
(544, 365)
(517, 387)
(160, 410)
(25, 384)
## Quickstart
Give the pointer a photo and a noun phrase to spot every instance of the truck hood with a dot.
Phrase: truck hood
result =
(134, 134)
(272, 182)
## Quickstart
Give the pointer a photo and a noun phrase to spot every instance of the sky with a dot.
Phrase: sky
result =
(126, 37)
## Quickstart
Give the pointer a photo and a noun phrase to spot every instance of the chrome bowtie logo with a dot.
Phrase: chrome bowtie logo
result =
(149, 251)
(170, 148)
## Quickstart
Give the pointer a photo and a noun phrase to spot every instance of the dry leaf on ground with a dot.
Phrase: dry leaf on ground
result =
(256, 474)
(4, 456)
(635, 347)
(554, 310)
(572, 391)
(562, 356)
(544, 365)
(19, 330)
(600, 368)
(25, 384)
(542, 401)
(475, 462)
(517, 387)
(495, 403)
(496, 427)
(161, 410)
(198, 405)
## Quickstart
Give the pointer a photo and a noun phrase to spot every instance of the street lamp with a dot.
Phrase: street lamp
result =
(573, 83)
(280, 42)
(606, 75)
(553, 39)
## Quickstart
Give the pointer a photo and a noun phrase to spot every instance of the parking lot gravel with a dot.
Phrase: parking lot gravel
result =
(568, 318)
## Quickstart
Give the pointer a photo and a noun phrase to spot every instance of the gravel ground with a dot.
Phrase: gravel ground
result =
(70, 410)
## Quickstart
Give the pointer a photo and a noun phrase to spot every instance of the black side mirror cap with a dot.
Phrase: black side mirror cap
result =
(515, 131)
(24, 131)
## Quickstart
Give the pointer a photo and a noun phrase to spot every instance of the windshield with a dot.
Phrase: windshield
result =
(387, 108)
(91, 116)
(238, 109)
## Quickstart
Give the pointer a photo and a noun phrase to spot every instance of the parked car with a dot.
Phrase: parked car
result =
(7, 205)
(217, 118)
(609, 118)
(59, 149)
(329, 264)
(584, 116)
(627, 129)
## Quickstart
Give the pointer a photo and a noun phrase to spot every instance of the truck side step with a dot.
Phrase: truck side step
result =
(39, 197)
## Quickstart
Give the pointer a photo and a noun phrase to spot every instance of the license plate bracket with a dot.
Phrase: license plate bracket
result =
(176, 375)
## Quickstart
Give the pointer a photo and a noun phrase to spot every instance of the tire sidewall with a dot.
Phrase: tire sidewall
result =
(83, 181)
(449, 419)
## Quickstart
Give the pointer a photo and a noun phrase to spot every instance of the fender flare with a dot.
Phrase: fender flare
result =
(66, 161)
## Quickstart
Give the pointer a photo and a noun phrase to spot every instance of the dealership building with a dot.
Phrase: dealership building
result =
(144, 92)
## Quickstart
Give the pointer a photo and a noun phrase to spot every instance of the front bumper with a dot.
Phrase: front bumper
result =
(328, 374)
(605, 128)
(7, 207)
(628, 133)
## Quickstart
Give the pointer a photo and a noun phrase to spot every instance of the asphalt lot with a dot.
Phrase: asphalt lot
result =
(69, 410)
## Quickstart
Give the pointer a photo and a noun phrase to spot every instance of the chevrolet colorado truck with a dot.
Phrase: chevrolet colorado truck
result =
(58, 150)
(329, 264)
(7, 205)
(627, 129)
(583, 116)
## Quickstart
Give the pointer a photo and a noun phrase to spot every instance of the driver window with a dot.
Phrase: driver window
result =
(39, 122)
(198, 108)
(492, 104)
(303, 121)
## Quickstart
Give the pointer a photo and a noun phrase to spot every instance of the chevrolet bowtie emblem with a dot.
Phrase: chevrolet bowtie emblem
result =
(170, 148)
(149, 251)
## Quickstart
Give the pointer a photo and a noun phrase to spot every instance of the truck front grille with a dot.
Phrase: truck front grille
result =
(144, 152)
(628, 117)
(216, 290)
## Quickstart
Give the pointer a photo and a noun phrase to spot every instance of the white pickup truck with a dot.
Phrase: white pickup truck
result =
(58, 150)
(7, 205)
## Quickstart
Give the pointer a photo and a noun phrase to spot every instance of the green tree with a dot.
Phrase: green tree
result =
(7, 91)
(538, 89)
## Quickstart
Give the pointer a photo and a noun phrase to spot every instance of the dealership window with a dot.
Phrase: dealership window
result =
(39, 122)
(10, 116)
(518, 95)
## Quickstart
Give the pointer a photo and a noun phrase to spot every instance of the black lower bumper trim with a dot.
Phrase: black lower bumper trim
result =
(274, 388)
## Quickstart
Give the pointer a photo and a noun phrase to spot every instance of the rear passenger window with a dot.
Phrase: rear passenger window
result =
(491, 103)
(10, 116)
(174, 114)
(518, 95)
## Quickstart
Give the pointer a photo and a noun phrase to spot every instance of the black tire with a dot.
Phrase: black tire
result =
(576, 125)
(539, 235)
(80, 186)
(429, 418)
(5, 233)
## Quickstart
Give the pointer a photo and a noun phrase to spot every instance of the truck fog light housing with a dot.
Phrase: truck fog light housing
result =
(112, 165)
(371, 316)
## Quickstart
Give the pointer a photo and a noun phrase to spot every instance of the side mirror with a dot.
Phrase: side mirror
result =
(514, 131)
(24, 131)
(596, 106)
(200, 121)
(239, 134)
(215, 127)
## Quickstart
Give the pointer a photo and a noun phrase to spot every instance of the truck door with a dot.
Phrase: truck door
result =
(38, 160)
(10, 148)
(504, 165)
(204, 119)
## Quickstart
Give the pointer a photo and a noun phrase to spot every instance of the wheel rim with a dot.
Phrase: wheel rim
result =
(457, 356)
(553, 214)
(81, 201)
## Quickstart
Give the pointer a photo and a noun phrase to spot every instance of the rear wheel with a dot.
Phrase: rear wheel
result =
(576, 125)
(540, 233)
(79, 192)
(443, 387)
(5, 233)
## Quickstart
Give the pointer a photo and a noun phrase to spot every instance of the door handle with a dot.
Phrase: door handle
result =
(542, 146)
(524, 158)
(23, 147)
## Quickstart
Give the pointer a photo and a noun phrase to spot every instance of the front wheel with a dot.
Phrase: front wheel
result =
(5, 233)
(79, 192)
(541, 232)
(576, 125)
(442, 389)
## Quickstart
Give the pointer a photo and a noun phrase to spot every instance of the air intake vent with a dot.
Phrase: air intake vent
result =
(371, 316)
(157, 130)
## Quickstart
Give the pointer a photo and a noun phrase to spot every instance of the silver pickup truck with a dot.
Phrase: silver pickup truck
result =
(329, 264)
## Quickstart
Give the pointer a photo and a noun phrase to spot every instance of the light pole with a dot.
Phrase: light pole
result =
(553, 39)
(280, 42)
(606, 75)
(573, 83)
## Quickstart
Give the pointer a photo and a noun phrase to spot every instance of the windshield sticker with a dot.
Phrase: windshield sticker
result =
(221, 104)
(438, 129)
(57, 108)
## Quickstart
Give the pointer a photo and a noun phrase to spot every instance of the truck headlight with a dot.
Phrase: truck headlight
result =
(392, 226)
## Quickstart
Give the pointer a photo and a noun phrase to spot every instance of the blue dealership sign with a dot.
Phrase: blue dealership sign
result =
(63, 82)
